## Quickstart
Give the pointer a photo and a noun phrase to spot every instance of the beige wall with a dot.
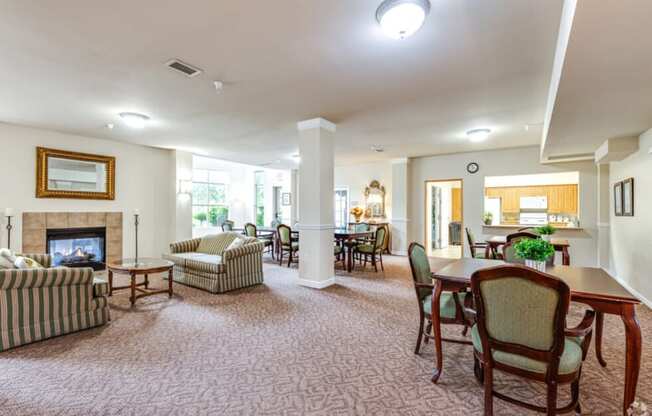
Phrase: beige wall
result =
(142, 181)
(358, 177)
(497, 163)
(631, 237)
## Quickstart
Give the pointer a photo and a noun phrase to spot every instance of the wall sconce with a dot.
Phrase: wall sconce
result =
(185, 187)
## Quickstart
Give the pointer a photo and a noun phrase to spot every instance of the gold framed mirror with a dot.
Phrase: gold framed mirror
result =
(72, 175)
(375, 200)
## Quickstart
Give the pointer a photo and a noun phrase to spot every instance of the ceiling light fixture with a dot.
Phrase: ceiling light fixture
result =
(402, 18)
(377, 148)
(478, 135)
(134, 120)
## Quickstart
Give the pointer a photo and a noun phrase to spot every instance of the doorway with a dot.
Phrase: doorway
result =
(444, 218)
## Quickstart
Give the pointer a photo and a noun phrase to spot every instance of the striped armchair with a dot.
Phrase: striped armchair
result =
(207, 264)
(36, 304)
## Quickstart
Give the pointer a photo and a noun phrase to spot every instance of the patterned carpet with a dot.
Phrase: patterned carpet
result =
(277, 349)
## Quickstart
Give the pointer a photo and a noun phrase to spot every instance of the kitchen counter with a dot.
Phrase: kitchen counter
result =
(517, 226)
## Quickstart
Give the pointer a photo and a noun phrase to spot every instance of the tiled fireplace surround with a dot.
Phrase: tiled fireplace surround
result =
(35, 225)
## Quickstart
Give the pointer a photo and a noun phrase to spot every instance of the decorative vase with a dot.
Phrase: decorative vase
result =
(536, 265)
(546, 237)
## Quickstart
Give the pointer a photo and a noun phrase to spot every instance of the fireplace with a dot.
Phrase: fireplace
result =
(77, 247)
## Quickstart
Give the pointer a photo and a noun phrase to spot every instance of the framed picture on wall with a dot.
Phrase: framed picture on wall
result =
(618, 199)
(628, 197)
(287, 199)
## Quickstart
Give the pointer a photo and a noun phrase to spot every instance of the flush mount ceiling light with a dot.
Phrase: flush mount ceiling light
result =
(402, 18)
(478, 135)
(134, 120)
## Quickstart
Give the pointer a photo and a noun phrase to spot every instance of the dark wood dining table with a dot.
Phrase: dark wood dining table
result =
(347, 238)
(589, 285)
(495, 241)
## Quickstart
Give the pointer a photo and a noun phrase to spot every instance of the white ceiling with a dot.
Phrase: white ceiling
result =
(605, 89)
(74, 65)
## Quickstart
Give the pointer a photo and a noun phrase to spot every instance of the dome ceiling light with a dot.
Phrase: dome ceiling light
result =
(134, 120)
(400, 19)
(478, 135)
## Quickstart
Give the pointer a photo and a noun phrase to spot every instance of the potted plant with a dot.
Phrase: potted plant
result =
(488, 218)
(357, 213)
(546, 231)
(535, 252)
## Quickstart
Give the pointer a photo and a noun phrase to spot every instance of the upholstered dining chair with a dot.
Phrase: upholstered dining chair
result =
(451, 304)
(477, 249)
(373, 248)
(286, 244)
(251, 230)
(520, 329)
(338, 252)
(521, 234)
(228, 225)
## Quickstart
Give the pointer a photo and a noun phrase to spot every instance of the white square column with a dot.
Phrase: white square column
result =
(316, 203)
(400, 208)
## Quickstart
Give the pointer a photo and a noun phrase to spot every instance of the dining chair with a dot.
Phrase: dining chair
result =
(509, 253)
(473, 245)
(451, 304)
(228, 225)
(251, 230)
(372, 248)
(338, 252)
(286, 244)
(521, 234)
(520, 329)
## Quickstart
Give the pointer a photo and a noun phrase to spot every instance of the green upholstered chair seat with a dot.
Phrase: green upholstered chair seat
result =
(446, 304)
(570, 361)
(367, 248)
(295, 246)
(479, 254)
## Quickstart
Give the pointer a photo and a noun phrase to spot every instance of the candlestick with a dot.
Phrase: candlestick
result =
(136, 222)
(9, 227)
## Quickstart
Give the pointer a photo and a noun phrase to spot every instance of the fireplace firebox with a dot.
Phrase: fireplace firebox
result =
(77, 247)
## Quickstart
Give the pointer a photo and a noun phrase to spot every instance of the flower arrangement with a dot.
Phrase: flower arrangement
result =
(535, 252)
(488, 218)
(357, 213)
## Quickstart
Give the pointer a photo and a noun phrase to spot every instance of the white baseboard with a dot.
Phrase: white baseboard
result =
(321, 284)
(647, 302)
(399, 253)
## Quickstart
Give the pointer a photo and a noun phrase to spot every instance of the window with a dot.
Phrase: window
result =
(341, 207)
(259, 180)
(209, 207)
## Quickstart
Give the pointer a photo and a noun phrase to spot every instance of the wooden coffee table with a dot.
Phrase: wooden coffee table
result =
(144, 267)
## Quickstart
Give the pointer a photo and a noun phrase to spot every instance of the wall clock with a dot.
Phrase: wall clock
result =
(472, 168)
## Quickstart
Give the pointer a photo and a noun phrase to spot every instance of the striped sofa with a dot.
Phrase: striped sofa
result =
(207, 264)
(36, 304)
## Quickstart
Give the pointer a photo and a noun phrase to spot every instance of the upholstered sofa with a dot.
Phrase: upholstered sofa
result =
(36, 304)
(207, 263)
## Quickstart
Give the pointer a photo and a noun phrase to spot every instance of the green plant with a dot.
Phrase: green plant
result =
(488, 218)
(534, 249)
(546, 230)
(201, 217)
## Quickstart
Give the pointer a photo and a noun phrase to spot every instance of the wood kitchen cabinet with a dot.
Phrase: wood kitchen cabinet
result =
(562, 199)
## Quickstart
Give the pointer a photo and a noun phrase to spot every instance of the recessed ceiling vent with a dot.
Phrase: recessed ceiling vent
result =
(186, 69)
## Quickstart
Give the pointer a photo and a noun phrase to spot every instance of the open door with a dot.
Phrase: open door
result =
(444, 237)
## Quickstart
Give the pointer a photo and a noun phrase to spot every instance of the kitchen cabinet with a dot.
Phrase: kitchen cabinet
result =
(562, 199)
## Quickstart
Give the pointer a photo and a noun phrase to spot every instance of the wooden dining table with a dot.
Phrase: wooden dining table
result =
(495, 241)
(589, 285)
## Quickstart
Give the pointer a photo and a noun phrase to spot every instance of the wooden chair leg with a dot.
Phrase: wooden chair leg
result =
(575, 394)
(382, 267)
(552, 399)
(373, 262)
(290, 258)
(478, 371)
(420, 337)
(488, 391)
(280, 257)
